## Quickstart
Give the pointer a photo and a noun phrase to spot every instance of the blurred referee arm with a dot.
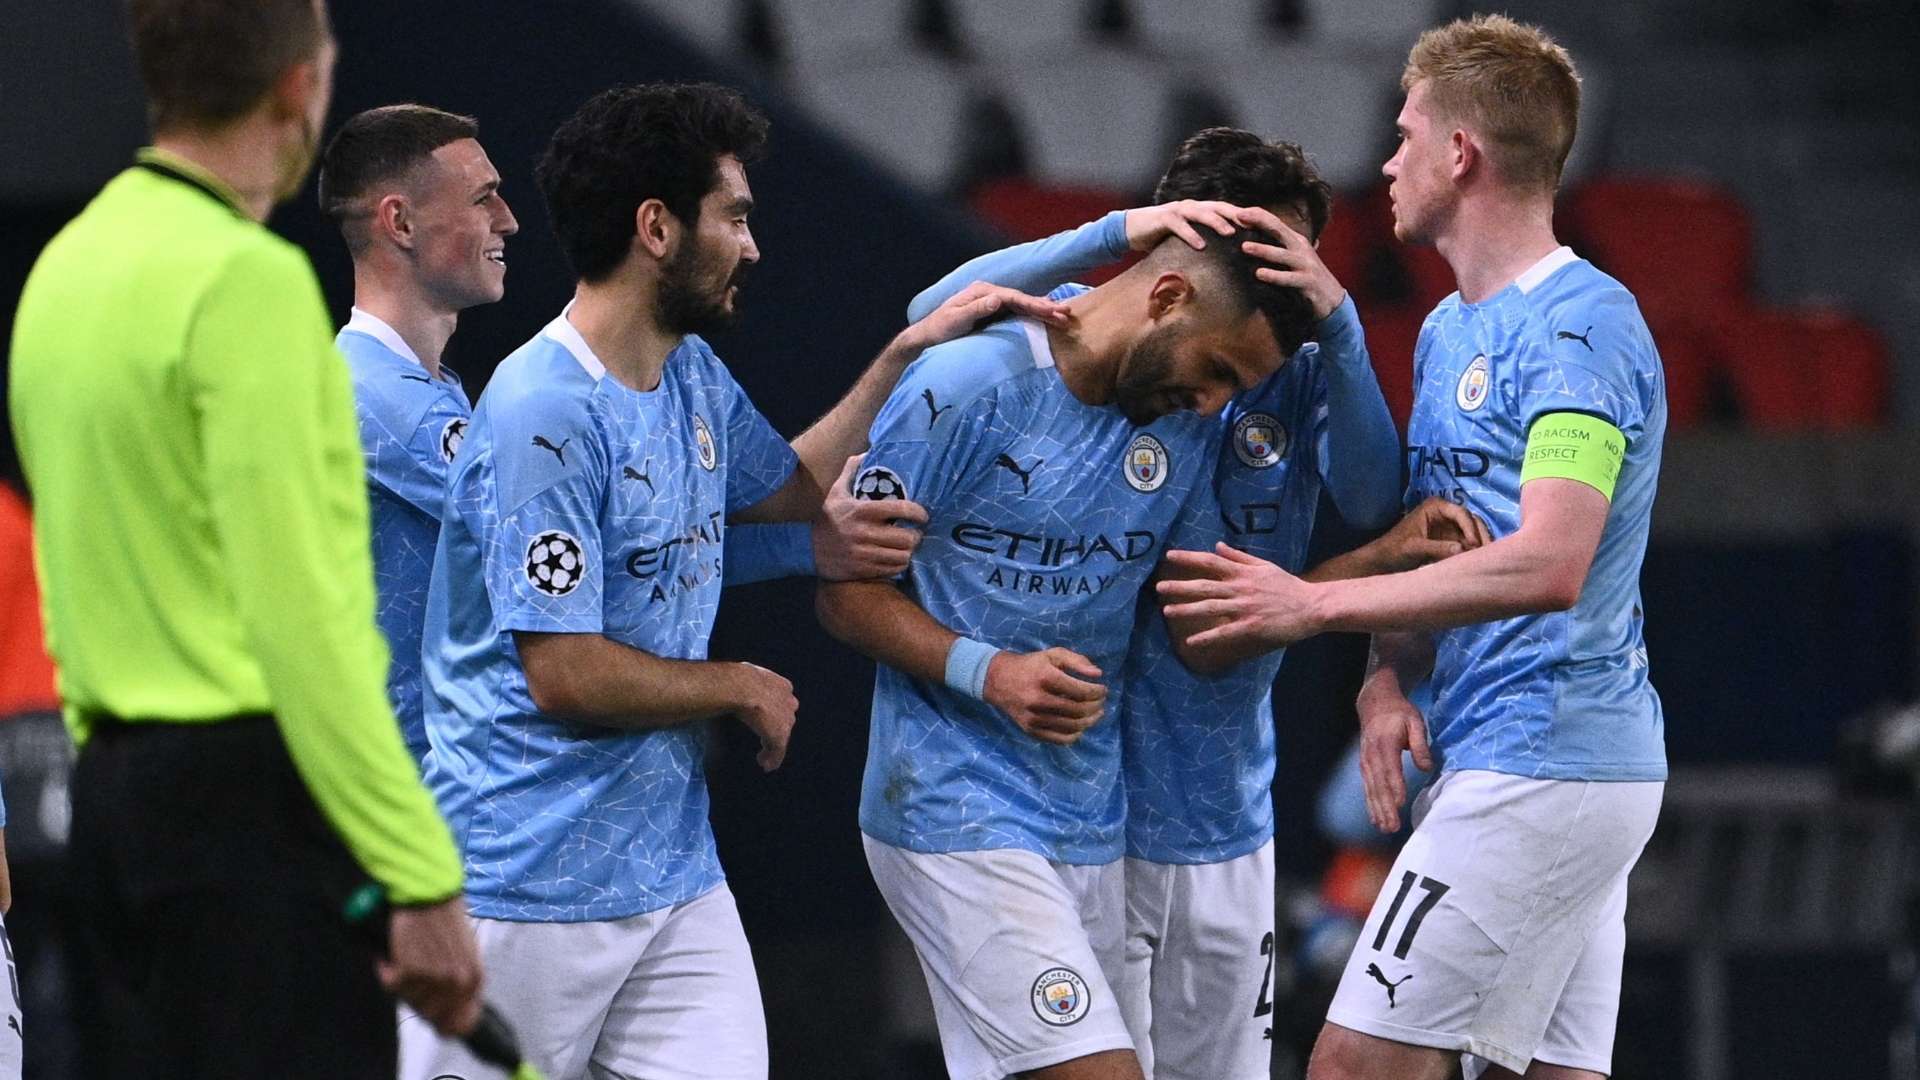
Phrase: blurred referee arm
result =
(288, 502)
(825, 447)
(1051, 695)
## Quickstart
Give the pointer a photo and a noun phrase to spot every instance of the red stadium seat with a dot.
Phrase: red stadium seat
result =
(1392, 333)
(1689, 363)
(1684, 249)
(1804, 370)
(1027, 210)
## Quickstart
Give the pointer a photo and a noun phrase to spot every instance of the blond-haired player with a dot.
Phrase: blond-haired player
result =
(1540, 406)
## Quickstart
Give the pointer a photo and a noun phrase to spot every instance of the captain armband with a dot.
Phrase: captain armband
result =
(1575, 446)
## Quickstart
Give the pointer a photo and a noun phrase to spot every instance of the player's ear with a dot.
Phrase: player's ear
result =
(655, 228)
(1168, 293)
(393, 219)
(1464, 154)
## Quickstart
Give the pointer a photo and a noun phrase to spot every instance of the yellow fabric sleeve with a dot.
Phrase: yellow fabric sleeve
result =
(1575, 446)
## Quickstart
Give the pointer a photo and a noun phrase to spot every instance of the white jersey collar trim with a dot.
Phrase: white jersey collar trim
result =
(568, 336)
(366, 322)
(1539, 272)
(1037, 341)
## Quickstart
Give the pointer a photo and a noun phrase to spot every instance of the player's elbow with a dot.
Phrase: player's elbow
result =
(1556, 587)
(833, 608)
(552, 682)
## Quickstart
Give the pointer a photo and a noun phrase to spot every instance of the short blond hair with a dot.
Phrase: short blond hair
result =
(1511, 84)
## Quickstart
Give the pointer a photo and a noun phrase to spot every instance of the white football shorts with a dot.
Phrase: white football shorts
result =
(1020, 953)
(1501, 927)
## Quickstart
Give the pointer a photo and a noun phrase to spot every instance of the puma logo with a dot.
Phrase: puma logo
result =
(632, 473)
(14, 1023)
(935, 412)
(558, 451)
(1012, 466)
(1568, 335)
(1374, 970)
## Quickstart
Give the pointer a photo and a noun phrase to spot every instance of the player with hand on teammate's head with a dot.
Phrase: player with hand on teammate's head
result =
(1540, 406)
(419, 205)
(567, 678)
(1199, 748)
(1053, 461)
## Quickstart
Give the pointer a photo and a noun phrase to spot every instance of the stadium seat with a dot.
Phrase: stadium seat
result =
(820, 33)
(1380, 24)
(1804, 370)
(1684, 249)
(713, 25)
(1691, 373)
(1340, 111)
(1094, 116)
(1392, 333)
(998, 30)
(906, 111)
(1200, 26)
(1026, 210)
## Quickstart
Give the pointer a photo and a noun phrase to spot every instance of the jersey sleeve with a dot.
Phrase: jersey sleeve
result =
(765, 552)
(1034, 267)
(1356, 447)
(287, 491)
(1587, 366)
(1198, 525)
(543, 560)
(759, 461)
(940, 416)
(414, 467)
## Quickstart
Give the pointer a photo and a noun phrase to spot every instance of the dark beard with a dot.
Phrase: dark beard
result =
(684, 306)
(1144, 372)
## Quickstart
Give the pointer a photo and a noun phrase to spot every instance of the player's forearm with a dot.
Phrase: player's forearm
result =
(1527, 573)
(595, 680)
(1036, 267)
(1363, 447)
(1397, 662)
(766, 552)
(878, 620)
(842, 432)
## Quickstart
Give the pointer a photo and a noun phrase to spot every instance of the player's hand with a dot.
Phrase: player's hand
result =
(1147, 226)
(1295, 262)
(6, 877)
(1434, 530)
(1250, 601)
(967, 309)
(1054, 695)
(855, 539)
(766, 705)
(1389, 724)
(434, 964)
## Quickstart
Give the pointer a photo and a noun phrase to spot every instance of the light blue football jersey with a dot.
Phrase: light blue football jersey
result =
(411, 425)
(1048, 516)
(1563, 695)
(578, 505)
(1199, 750)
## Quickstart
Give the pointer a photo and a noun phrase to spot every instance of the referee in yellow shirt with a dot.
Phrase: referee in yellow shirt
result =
(201, 523)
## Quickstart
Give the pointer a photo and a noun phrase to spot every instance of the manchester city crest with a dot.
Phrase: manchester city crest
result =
(1259, 441)
(1060, 996)
(1146, 464)
(703, 443)
(1472, 392)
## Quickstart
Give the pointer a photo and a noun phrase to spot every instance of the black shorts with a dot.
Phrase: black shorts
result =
(208, 891)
